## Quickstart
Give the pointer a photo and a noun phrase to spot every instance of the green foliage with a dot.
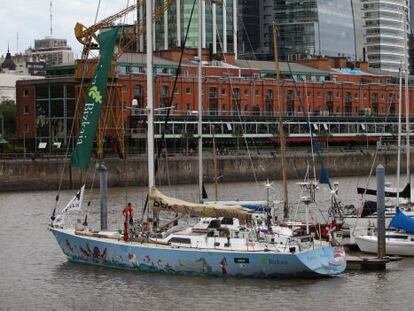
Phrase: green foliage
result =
(8, 111)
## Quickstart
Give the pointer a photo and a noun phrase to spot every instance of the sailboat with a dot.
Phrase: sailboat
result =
(209, 247)
(399, 243)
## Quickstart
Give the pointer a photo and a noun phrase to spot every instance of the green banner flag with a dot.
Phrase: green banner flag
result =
(96, 93)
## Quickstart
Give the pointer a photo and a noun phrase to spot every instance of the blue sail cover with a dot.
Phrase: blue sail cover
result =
(402, 221)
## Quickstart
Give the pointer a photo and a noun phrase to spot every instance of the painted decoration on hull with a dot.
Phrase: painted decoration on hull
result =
(318, 262)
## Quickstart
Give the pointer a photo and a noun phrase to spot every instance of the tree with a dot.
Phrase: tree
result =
(8, 113)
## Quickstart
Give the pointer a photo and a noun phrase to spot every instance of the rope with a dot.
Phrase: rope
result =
(242, 123)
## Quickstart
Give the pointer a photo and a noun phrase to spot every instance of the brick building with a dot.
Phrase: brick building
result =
(324, 87)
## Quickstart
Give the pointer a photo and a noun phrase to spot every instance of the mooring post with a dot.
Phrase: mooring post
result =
(381, 210)
(103, 182)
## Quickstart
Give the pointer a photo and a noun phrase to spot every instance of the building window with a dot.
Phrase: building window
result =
(257, 93)
(25, 93)
(188, 91)
(246, 92)
(236, 93)
(139, 95)
(164, 91)
(26, 109)
(176, 91)
(26, 128)
(165, 99)
(213, 101)
(318, 94)
(289, 95)
(223, 92)
(338, 95)
(236, 100)
(188, 107)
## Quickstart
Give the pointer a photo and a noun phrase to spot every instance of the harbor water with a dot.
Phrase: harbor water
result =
(35, 275)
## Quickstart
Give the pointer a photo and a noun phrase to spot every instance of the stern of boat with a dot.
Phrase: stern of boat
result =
(324, 261)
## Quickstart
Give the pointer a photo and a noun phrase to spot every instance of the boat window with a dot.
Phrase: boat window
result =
(180, 240)
(216, 243)
(215, 223)
(227, 221)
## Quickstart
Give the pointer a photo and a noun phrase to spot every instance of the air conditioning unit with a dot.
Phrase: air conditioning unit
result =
(325, 113)
(367, 112)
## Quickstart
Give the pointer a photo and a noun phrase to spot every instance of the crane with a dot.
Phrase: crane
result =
(87, 36)
(110, 118)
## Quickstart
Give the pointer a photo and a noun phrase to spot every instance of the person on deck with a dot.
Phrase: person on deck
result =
(128, 213)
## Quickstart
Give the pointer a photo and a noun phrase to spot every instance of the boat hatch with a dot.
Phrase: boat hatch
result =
(180, 240)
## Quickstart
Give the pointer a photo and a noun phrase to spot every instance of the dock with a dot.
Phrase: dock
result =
(365, 262)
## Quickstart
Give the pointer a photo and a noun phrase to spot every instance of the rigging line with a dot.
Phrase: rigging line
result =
(167, 117)
(242, 123)
(391, 101)
(73, 121)
(308, 121)
(170, 102)
(312, 151)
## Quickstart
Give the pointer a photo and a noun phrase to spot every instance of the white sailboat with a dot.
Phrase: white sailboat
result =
(211, 248)
(399, 243)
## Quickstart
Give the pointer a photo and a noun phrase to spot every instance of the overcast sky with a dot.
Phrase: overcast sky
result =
(30, 18)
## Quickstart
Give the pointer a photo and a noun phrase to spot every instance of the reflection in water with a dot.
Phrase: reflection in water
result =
(35, 275)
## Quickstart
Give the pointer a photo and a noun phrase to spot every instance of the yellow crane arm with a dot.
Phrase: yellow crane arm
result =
(85, 35)
(88, 38)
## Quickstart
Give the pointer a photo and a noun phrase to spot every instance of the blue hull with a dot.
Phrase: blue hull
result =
(156, 258)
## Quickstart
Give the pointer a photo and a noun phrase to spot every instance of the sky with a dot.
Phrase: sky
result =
(30, 19)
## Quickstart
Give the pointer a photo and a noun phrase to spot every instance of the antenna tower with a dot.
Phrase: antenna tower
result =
(51, 25)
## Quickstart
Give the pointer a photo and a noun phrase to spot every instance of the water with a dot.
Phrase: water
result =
(35, 275)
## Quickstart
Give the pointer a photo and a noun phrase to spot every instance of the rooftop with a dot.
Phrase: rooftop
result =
(284, 67)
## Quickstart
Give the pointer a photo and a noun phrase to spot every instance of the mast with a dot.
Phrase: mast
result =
(281, 128)
(213, 131)
(399, 138)
(200, 104)
(407, 110)
(150, 96)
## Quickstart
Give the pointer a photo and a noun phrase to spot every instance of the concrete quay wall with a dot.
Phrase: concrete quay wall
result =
(45, 174)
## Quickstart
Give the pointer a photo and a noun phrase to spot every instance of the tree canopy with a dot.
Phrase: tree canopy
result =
(8, 114)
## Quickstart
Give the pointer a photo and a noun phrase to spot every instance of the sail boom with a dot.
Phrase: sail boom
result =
(159, 202)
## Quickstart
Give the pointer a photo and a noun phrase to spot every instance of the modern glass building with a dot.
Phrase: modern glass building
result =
(315, 27)
(387, 27)
(249, 30)
(219, 19)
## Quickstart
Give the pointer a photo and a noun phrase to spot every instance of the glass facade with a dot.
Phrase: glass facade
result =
(336, 28)
(248, 28)
(186, 7)
(315, 27)
(55, 108)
